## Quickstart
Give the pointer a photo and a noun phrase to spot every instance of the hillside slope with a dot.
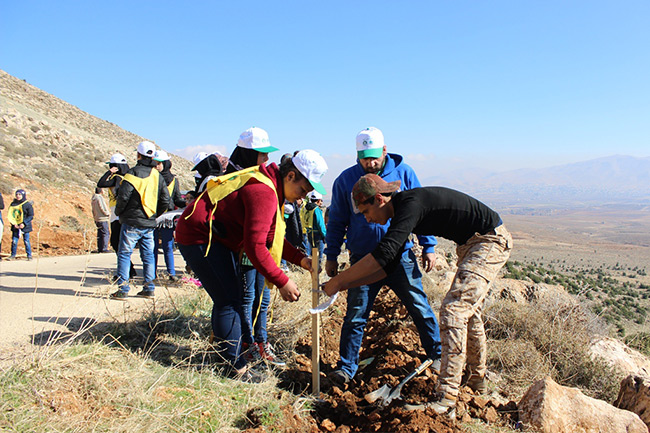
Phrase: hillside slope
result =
(57, 152)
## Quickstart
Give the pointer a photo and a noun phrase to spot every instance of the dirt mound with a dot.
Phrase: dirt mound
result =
(393, 343)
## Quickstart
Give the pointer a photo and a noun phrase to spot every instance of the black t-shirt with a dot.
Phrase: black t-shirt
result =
(436, 211)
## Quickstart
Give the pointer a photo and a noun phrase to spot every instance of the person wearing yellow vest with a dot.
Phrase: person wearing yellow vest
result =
(315, 223)
(20, 215)
(111, 180)
(142, 196)
(164, 232)
(241, 212)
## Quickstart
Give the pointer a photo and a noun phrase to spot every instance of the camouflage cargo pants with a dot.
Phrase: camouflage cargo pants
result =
(461, 322)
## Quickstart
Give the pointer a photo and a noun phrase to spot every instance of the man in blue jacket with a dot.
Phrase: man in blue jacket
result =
(362, 238)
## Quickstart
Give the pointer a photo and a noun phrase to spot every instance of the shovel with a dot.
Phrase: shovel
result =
(386, 394)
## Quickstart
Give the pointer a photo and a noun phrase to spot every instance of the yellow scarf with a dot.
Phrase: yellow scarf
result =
(220, 187)
(170, 187)
(147, 187)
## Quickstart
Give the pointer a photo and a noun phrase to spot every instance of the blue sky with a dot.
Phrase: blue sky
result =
(498, 84)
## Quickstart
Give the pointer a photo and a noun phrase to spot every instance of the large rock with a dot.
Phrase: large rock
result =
(552, 408)
(635, 396)
(621, 357)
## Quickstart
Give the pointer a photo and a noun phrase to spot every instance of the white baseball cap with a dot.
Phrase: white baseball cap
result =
(257, 139)
(160, 156)
(370, 143)
(315, 195)
(312, 165)
(147, 148)
(117, 158)
(199, 157)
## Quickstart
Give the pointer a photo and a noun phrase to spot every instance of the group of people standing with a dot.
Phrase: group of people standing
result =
(245, 218)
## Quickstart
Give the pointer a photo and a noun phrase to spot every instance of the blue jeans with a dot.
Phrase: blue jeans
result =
(129, 238)
(220, 275)
(166, 236)
(15, 236)
(257, 298)
(406, 282)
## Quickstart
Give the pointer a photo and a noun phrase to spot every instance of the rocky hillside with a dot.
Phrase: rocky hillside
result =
(56, 152)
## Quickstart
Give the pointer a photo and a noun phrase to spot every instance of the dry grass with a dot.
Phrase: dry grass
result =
(547, 338)
(155, 374)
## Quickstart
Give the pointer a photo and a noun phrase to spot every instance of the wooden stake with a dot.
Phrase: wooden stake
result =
(315, 325)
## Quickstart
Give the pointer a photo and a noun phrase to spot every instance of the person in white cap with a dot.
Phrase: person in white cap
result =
(111, 180)
(164, 232)
(315, 223)
(243, 214)
(362, 237)
(253, 148)
(141, 198)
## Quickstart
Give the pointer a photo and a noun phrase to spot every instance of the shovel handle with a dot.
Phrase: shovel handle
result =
(415, 372)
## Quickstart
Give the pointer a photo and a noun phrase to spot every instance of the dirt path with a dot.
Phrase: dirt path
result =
(61, 294)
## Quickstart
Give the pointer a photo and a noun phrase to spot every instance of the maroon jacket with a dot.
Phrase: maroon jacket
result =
(245, 219)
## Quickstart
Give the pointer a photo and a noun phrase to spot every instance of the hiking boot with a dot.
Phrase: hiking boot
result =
(174, 279)
(247, 374)
(266, 353)
(339, 378)
(251, 353)
(146, 294)
(119, 295)
(478, 385)
(445, 405)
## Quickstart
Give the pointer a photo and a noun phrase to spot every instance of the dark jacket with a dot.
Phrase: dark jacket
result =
(129, 204)
(294, 227)
(28, 215)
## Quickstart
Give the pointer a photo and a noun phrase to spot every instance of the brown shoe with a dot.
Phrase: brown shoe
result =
(478, 385)
(445, 405)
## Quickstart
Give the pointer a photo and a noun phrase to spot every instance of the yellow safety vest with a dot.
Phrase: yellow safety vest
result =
(147, 187)
(170, 187)
(222, 186)
(15, 214)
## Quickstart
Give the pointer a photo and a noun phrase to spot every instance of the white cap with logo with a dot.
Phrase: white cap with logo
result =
(257, 139)
(313, 166)
(315, 195)
(147, 148)
(370, 143)
(117, 158)
(160, 156)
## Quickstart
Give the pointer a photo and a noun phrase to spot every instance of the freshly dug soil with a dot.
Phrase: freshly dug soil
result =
(392, 340)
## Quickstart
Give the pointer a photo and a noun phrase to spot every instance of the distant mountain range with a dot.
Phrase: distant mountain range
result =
(617, 179)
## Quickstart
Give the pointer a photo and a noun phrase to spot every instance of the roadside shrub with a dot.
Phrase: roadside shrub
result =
(561, 334)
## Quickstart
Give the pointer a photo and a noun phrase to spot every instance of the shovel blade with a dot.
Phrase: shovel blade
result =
(381, 393)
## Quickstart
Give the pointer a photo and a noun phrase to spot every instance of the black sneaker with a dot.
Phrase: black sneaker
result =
(339, 378)
(146, 294)
(119, 295)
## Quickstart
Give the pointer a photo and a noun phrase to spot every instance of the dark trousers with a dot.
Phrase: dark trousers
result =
(103, 235)
(220, 275)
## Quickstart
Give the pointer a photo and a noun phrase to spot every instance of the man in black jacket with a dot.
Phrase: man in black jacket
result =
(141, 198)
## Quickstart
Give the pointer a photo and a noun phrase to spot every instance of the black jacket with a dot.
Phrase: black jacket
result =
(129, 204)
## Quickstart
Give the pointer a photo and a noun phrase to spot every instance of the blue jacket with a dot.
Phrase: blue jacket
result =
(344, 218)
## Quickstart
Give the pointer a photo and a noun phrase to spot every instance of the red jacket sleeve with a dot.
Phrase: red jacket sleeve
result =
(260, 206)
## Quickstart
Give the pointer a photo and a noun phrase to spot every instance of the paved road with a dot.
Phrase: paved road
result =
(50, 294)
